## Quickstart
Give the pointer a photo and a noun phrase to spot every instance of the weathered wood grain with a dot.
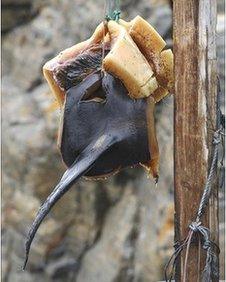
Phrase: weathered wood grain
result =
(194, 26)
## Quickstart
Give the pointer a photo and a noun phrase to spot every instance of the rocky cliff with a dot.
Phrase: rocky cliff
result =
(115, 230)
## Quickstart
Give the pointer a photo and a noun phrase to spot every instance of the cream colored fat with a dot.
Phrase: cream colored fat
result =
(125, 60)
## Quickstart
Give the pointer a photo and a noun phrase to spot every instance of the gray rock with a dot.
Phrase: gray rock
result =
(117, 230)
(103, 262)
(15, 13)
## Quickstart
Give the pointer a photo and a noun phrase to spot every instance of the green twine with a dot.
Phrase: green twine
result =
(114, 12)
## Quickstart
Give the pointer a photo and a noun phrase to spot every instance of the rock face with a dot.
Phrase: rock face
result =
(16, 12)
(120, 229)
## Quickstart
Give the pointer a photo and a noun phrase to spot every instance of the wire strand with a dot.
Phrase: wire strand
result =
(211, 268)
(113, 10)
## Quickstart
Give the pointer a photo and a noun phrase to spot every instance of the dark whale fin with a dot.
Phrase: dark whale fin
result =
(81, 165)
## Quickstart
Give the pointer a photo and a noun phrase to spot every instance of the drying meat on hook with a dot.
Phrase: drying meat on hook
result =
(107, 87)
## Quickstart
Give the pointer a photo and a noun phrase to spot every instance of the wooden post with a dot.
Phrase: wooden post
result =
(194, 26)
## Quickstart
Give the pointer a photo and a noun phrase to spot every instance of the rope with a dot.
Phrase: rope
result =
(211, 269)
(113, 10)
